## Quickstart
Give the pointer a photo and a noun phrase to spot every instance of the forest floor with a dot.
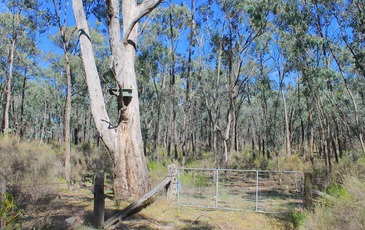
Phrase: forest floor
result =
(72, 209)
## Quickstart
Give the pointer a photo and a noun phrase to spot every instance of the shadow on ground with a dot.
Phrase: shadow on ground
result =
(139, 221)
(66, 210)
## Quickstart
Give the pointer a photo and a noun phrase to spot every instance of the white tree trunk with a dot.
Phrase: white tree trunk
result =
(125, 140)
(8, 90)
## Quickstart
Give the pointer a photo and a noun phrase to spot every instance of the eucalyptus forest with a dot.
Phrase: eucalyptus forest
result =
(266, 84)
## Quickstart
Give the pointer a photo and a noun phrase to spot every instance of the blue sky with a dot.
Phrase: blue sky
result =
(47, 46)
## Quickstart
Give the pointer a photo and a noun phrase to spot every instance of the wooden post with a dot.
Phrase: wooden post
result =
(142, 202)
(171, 187)
(307, 190)
(99, 199)
(2, 197)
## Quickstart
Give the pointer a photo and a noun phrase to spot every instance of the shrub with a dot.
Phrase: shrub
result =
(9, 212)
(337, 190)
(86, 159)
(29, 167)
(296, 218)
(345, 210)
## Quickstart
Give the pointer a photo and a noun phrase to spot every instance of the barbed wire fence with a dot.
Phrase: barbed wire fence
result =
(247, 190)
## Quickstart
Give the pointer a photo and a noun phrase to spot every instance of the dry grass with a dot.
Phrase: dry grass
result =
(31, 169)
(53, 212)
(165, 214)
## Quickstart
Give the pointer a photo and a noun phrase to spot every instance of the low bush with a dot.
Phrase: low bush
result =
(9, 212)
(296, 218)
(86, 159)
(346, 208)
(30, 168)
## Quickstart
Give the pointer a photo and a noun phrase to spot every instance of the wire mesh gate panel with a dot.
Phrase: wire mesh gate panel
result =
(248, 190)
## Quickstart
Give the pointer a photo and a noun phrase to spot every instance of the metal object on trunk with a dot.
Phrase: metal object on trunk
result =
(127, 93)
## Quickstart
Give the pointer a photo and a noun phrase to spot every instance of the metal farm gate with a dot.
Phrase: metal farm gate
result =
(248, 190)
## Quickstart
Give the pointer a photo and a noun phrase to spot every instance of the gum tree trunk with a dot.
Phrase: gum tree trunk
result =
(123, 140)
(8, 89)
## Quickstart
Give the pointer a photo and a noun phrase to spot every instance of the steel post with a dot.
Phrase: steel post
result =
(257, 191)
(216, 189)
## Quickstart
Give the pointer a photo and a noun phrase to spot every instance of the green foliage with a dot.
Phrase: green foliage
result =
(296, 218)
(247, 160)
(192, 178)
(337, 190)
(9, 212)
(294, 163)
(200, 181)
(186, 177)
(152, 166)
(158, 169)
(205, 159)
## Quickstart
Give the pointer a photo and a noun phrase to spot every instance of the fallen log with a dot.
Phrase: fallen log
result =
(323, 195)
(142, 202)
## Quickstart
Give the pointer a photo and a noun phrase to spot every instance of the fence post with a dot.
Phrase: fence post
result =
(171, 188)
(307, 190)
(99, 199)
(2, 197)
(257, 192)
(216, 188)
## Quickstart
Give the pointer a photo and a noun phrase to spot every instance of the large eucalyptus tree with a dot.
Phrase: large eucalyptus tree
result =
(123, 138)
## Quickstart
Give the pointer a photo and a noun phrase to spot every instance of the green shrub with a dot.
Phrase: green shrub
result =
(9, 212)
(152, 166)
(337, 190)
(192, 178)
(186, 177)
(296, 218)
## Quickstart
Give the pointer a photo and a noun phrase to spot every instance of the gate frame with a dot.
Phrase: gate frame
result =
(178, 181)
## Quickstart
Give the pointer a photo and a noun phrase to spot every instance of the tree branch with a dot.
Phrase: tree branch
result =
(143, 9)
(97, 105)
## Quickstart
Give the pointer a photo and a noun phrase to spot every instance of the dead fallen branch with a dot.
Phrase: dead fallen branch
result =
(138, 205)
(323, 195)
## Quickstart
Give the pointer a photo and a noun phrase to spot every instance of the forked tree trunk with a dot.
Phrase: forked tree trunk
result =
(123, 140)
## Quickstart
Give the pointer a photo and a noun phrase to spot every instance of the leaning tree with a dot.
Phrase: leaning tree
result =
(123, 139)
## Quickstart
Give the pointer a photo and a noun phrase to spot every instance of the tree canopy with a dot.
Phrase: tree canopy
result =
(271, 77)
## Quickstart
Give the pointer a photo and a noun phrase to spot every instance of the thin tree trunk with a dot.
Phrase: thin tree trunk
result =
(22, 123)
(43, 120)
(287, 131)
(338, 140)
(8, 90)
(156, 134)
(185, 135)
(67, 115)
(329, 150)
(68, 122)
(172, 85)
